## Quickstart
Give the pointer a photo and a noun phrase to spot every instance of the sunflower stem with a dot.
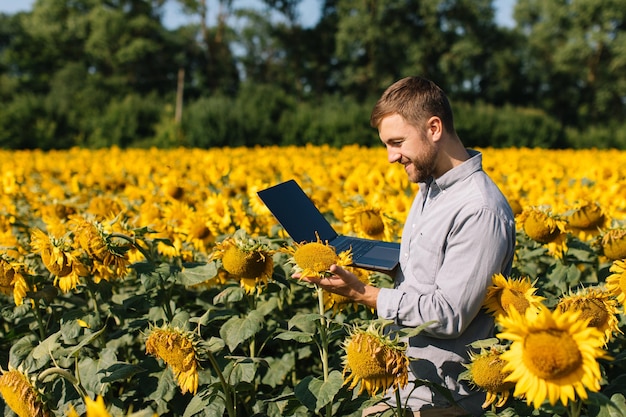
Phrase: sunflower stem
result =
(399, 407)
(574, 408)
(37, 313)
(65, 374)
(96, 309)
(166, 302)
(228, 395)
(324, 341)
(133, 241)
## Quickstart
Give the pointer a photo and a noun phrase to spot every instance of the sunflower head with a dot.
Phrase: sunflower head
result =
(368, 221)
(553, 355)
(587, 215)
(109, 255)
(616, 282)
(12, 280)
(540, 225)
(59, 259)
(374, 360)
(246, 259)
(54, 253)
(595, 306)
(486, 372)
(312, 259)
(179, 349)
(613, 244)
(20, 394)
(505, 294)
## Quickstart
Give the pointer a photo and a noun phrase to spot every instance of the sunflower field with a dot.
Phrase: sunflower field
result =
(154, 282)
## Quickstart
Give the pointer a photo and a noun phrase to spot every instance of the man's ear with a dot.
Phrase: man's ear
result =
(435, 128)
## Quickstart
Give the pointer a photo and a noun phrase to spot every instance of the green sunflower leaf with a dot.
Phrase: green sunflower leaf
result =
(314, 393)
(300, 337)
(193, 274)
(239, 329)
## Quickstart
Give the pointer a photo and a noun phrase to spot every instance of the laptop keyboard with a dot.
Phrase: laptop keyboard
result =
(359, 247)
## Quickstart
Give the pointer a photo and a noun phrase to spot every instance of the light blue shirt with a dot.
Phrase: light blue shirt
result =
(459, 232)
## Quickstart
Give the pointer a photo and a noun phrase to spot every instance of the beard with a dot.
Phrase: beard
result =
(422, 167)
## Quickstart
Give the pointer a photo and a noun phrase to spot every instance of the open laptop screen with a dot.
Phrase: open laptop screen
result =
(295, 211)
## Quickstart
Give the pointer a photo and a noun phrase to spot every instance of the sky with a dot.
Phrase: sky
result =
(309, 11)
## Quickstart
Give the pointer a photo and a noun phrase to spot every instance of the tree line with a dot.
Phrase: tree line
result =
(98, 73)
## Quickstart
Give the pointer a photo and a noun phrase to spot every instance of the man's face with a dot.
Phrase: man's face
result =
(409, 146)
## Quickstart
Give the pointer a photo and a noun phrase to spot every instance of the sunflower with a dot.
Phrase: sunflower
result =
(314, 259)
(12, 281)
(596, 306)
(553, 355)
(198, 230)
(546, 228)
(485, 372)
(104, 207)
(20, 394)
(374, 360)
(179, 350)
(613, 243)
(586, 220)
(246, 259)
(217, 206)
(94, 408)
(110, 255)
(368, 221)
(616, 282)
(505, 294)
(59, 259)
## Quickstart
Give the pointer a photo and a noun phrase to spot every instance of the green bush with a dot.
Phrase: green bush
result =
(483, 125)
(335, 121)
(26, 123)
(601, 137)
(210, 122)
(126, 122)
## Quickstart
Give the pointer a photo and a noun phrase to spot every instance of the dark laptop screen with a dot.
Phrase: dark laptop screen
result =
(295, 211)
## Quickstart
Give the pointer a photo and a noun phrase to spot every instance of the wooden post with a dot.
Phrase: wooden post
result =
(179, 96)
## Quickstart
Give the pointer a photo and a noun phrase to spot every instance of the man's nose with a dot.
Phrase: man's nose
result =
(393, 156)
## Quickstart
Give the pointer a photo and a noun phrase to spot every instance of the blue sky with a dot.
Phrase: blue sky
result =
(309, 11)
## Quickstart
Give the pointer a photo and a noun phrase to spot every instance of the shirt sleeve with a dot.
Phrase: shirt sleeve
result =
(477, 246)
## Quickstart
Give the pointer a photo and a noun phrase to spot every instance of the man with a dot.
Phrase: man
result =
(459, 232)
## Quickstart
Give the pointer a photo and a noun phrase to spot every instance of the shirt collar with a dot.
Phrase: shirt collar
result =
(458, 173)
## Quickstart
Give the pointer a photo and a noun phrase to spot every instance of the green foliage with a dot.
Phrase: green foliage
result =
(336, 121)
(27, 123)
(601, 137)
(124, 121)
(253, 77)
(484, 125)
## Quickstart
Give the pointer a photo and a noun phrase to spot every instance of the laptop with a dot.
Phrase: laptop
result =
(301, 219)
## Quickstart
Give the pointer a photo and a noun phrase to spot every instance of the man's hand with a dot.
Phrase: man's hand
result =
(347, 284)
